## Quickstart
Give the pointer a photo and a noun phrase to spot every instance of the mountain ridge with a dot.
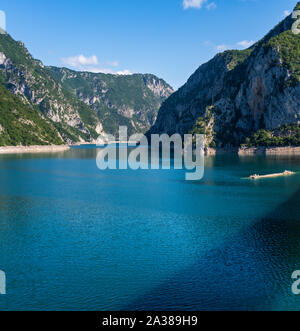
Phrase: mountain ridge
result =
(135, 105)
(237, 93)
(65, 108)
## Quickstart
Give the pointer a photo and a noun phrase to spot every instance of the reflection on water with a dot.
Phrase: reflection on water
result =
(252, 271)
(74, 237)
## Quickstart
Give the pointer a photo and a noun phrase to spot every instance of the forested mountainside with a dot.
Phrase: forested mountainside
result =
(130, 100)
(64, 106)
(247, 97)
(21, 123)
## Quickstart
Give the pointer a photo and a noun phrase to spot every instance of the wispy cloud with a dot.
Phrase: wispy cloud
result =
(222, 47)
(245, 43)
(211, 6)
(80, 60)
(91, 64)
(198, 4)
(193, 4)
(108, 71)
(286, 13)
(2, 20)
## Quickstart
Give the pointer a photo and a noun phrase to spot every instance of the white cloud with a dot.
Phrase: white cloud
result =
(80, 60)
(286, 13)
(222, 48)
(97, 70)
(193, 4)
(245, 43)
(90, 64)
(124, 72)
(198, 4)
(211, 6)
(2, 20)
(218, 48)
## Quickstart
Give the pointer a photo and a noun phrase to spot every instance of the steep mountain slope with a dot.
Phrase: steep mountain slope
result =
(28, 79)
(21, 124)
(239, 92)
(132, 100)
(77, 106)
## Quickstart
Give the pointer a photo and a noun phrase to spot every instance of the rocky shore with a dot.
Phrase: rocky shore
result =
(290, 150)
(33, 149)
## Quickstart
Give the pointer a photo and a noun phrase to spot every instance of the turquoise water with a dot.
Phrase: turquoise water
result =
(73, 237)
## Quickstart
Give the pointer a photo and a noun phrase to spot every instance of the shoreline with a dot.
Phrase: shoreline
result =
(33, 149)
(290, 150)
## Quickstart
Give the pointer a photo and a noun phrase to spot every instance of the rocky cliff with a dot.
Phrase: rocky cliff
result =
(239, 92)
(130, 100)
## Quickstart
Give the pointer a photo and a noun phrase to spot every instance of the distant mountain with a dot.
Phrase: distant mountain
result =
(130, 100)
(69, 106)
(240, 95)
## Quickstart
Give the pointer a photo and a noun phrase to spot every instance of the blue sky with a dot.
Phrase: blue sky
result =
(169, 38)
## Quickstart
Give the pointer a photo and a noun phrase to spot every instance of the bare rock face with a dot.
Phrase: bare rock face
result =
(130, 100)
(157, 86)
(265, 96)
(257, 88)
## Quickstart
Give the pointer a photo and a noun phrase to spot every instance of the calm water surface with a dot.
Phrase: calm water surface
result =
(75, 238)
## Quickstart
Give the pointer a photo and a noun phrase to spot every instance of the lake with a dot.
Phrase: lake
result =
(73, 237)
